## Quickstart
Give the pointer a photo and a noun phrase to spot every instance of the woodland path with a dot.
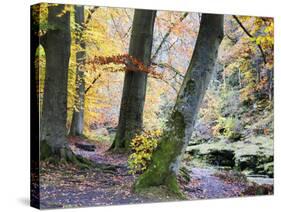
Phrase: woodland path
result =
(66, 186)
(205, 184)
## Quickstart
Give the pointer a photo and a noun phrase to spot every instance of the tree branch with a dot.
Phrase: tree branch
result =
(90, 14)
(167, 35)
(230, 38)
(165, 65)
(119, 34)
(93, 82)
(251, 36)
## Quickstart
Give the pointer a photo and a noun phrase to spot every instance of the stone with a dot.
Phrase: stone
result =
(221, 157)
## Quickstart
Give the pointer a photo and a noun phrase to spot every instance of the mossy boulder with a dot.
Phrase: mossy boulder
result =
(256, 164)
(254, 155)
(269, 169)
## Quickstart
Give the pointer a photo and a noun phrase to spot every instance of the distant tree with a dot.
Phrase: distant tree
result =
(166, 159)
(77, 123)
(134, 90)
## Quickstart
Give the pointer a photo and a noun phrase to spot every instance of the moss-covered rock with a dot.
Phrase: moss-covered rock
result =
(222, 157)
(252, 156)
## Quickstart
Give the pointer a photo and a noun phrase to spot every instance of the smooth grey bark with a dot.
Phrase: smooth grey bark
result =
(166, 159)
(53, 130)
(77, 123)
(134, 90)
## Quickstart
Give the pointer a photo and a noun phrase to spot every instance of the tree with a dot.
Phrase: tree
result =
(134, 90)
(56, 43)
(166, 159)
(77, 123)
(57, 49)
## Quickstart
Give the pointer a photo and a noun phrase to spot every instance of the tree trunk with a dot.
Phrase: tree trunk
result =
(166, 159)
(134, 90)
(53, 143)
(270, 84)
(77, 123)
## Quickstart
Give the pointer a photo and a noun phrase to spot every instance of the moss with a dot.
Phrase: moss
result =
(69, 157)
(250, 155)
(158, 193)
(45, 150)
(173, 186)
(170, 146)
(190, 86)
(64, 155)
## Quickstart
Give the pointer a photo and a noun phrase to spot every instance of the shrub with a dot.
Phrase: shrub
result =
(228, 127)
(142, 147)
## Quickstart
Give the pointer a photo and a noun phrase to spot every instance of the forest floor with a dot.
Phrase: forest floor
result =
(67, 186)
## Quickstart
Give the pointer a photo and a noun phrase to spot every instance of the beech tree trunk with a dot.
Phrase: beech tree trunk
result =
(134, 90)
(77, 123)
(166, 159)
(53, 130)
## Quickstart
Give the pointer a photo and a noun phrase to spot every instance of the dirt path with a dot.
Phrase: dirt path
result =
(75, 188)
(205, 184)
(67, 186)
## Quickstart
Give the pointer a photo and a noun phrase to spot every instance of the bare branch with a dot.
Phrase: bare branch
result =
(167, 35)
(251, 36)
(166, 65)
(93, 82)
(116, 28)
(233, 40)
(90, 15)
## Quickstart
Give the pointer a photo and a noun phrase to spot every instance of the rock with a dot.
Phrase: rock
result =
(269, 167)
(194, 152)
(246, 162)
(258, 189)
(254, 155)
(261, 180)
(221, 157)
(256, 164)
(86, 147)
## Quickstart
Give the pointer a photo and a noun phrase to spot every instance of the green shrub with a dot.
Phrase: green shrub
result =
(228, 127)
